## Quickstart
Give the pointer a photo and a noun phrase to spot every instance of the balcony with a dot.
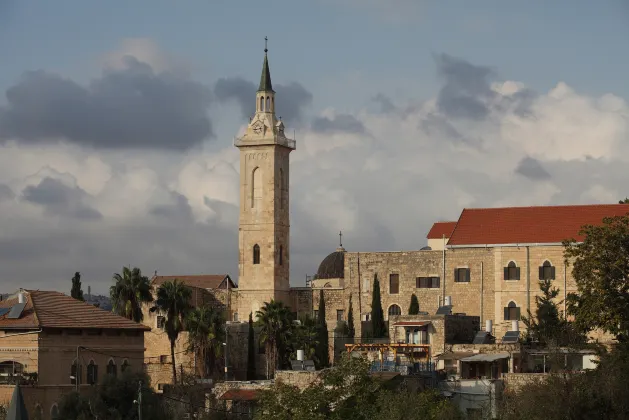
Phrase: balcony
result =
(277, 140)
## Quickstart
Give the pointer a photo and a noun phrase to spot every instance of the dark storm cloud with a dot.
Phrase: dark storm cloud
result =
(180, 210)
(386, 105)
(129, 108)
(466, 89)
(59, 199)
(290, 103)
(532, 169)
(340, 123)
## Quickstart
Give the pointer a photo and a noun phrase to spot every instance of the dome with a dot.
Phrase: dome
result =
(332, 266)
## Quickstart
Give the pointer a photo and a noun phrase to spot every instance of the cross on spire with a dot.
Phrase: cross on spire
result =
(341, 239)
(266, 40)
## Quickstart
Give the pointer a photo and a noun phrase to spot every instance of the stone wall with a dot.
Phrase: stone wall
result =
(300, 379)
(486, 348)
(515, 381)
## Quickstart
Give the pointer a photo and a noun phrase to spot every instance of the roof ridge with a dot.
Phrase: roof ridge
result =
(545, 206)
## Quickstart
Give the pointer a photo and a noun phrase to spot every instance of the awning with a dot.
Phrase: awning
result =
(486, 357)
(455, 355)
(411, 323)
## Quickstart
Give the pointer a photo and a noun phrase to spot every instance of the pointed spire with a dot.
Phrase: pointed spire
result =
(265, 78)
(17, 409)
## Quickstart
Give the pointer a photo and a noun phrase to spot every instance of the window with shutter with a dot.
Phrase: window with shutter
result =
(511, 312)
(435, 282)
(547, 271)
(511, 271)
(111, 368)
(462, 275)
(394, 284)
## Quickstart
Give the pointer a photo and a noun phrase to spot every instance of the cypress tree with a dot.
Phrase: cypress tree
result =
(322, 352)
(414, 308)
(377, 316)
(76, 291)
(251, 355)
(351, 332)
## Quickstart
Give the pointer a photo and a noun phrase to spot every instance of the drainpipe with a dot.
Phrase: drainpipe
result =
(565, 287)
(360, 297)
(528, 280)
(443, 263)
(481, 291)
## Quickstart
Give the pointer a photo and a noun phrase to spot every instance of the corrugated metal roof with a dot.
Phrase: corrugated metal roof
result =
(486, 357)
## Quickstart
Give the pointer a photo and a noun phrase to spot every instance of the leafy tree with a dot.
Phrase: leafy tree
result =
(625, 201)
(275, 328)
(305, 336)
(351, 332)
(601, 272)
(129, 292)
(3, 412)
(206, 334)
(322, 352)
(76, 291)
(173, 300)
(378, 327)
(251, 351)
(413, 309)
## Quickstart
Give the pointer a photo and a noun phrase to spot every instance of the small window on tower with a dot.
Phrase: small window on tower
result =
(256, 254)
(261, 104)
(281, 254)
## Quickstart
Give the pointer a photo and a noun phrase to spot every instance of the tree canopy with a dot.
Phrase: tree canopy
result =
(76, 292)
(378, 327)
(129, 292)
(413, 309)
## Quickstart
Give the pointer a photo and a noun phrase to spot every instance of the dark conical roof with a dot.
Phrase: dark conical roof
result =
(265, 78)
(17, 409)
(333, 266)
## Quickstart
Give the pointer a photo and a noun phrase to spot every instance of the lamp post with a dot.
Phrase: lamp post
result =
(225, 351)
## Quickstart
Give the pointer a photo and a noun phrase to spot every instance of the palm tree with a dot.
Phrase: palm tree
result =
(306, 337)
(275, 325)
(206, 334)
(173, 300)
(130, 291)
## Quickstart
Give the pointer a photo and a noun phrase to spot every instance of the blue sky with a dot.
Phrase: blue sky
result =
(135, 166)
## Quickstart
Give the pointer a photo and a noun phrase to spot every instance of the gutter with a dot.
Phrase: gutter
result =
(516, 245)
(24, 333)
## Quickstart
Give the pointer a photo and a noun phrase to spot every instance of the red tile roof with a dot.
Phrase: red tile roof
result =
(55, 310)
(529, 225)
(240, 395)
(202, 281)
(440, 229)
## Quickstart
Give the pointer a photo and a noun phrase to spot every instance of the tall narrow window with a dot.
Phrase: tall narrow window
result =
(268, 104)
(281, 254)
(281, 188)
(125, 365)
(511, 272)
(256, 254)
(256, 187)
(111, 368)
(547, 271)
(54, 412)
(512, 312)
(92, 373)
(75, 373)
(261, 109)
(394, 284)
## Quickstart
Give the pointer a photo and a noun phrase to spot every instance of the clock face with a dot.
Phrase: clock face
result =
(257, 128)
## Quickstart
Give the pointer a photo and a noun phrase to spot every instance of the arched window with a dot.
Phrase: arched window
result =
(281, 188)
(75, 372)
(125, 365)
(261, 108)
(272, 104)
(92, 373)
(10, 368)
(256, 187)
(54, 412)
(327, 285)
(511, 271)
(39, 412)
(281, 254)
(512, 312)
(111, 368)
(547, 271)
(395, 310)
(268, 104)
(256, 254)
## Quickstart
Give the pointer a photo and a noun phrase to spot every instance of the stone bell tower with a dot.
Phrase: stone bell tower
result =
(264, 200)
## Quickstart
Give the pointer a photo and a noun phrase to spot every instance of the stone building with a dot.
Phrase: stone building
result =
(43, 334)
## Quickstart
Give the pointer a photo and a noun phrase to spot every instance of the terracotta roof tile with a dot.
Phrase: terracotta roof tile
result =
(240, 395)
(47, 309)
(202, 281)
(521, 225)
(439, 229)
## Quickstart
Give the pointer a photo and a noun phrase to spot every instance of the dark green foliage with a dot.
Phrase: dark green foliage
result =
(251, 351)
(305, 336)
(76, 291)
(413, 309)
(351, 332)
(625, 201)
(206, 334)
(274, 320)
(130, 291)
(113, 399)
(173, 301)
(601, 271)
(378, 327)
(322, 353)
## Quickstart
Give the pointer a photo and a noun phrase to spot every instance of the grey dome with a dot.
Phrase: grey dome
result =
(332, 266)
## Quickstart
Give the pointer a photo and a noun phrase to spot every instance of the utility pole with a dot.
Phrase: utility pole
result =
(140, 401)
(225, 351)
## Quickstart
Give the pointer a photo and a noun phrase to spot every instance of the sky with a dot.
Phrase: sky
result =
(117, 120)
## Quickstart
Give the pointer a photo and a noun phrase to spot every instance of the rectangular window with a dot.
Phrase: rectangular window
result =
(394, 284)
(427, 282)
(235, 316)
(163, 359)
(339, 315)
(161, 321)
(461, 275)
(512, 313)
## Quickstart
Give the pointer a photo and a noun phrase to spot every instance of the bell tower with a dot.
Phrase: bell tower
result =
(263, 233)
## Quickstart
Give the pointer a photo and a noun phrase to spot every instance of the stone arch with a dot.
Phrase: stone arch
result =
(394, 310)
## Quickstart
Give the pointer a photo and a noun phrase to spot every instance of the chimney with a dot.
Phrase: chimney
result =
(488, 326)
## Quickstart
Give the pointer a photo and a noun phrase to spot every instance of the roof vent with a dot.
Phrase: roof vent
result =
(21, 298)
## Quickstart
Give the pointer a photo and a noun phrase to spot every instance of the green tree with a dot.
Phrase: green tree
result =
(251, 351)
(601, 272)
(413, 309)
(625, 201)
(378, 327)
(322, 352)
(305, 336)
(130, 291)
(206, 334)
(351, 332)
(173, 300)
(76, 291)
(275, 328)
